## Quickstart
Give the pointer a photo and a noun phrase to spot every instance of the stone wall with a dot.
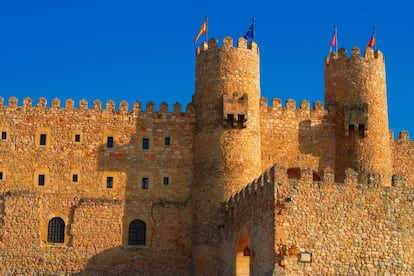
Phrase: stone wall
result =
(296, 137)
(403, 157)
(96, 216)
(348, 228)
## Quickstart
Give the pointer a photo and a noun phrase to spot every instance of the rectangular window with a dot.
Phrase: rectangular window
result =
(167, 141)
(43, 139)
(77, 137)
(145, 183)
(145, 143)
(41, 180)
(1, 175)
(3, 135)
(109, 182)
(110, 142)
(166, 180)
(74, 178)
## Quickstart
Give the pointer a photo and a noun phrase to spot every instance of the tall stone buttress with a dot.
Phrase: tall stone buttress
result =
(227, 152)
(355, 88)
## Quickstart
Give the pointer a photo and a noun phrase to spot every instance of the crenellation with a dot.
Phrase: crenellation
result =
(55, 103)
(83, 104)
(110, 106)
(42, 104)
(290, 105)
(163, 107)
(284, 190)
(27, 103)
(403, 136)
(13, 103)
(304, 105)
(69, 104)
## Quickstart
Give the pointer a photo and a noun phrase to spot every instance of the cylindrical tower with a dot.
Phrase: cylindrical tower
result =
(355, 88)
(227, 153)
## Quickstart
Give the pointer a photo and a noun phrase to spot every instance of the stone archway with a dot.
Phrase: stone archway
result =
(243, 253)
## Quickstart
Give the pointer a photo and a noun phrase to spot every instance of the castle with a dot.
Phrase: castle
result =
(231, 186)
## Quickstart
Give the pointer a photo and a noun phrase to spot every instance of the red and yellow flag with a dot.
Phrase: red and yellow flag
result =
(371, 42)
(203, 30)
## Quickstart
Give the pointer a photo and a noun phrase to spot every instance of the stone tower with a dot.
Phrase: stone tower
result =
(355, 89)
(227, 152)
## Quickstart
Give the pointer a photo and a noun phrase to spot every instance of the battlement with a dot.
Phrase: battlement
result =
(110, 106)
(227, 44)
(341, 57)
(304, 110)
(279, 177)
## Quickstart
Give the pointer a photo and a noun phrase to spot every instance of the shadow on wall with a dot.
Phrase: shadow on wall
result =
(317, 140)
(152, 229)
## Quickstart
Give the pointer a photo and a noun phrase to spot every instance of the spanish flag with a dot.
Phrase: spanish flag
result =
(203, 30)
(371, 42)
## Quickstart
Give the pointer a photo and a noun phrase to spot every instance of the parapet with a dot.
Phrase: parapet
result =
(370, 55)
(227, 44)
(277, 109)
(110, 107)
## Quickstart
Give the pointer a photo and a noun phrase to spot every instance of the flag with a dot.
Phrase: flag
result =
(203, 30)
(250, 32)
(371, 42)
(334, 41)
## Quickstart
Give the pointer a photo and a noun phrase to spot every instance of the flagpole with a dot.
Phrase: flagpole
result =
(206, 38)
(253, 33)
(375, 38)
(336, 38)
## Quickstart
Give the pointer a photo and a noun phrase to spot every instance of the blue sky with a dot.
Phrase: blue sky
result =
(143, 50)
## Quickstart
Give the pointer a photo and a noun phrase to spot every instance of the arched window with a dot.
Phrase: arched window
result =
(56, 230)
(136, 233)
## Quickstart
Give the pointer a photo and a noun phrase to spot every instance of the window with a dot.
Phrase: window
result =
(56, 230)
(1, 175)
(109, 182)
(136, 233)
(145, 143)
(74, 178)
(145, 183)
(42, 140)
(77, 137)
(110, 142)
(3, 135)
(167, 141)
(166, 180)
(41, 180)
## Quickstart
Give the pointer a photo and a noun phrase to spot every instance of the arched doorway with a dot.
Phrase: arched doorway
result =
(243, 253)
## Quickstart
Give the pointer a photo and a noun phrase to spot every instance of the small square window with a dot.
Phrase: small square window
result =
(1, 175)
(3, 135)
(167, 141)
(43, 139)
(145, 183)
(74, 178)
(77, 137)
(166, 180)
(110, 142)
(145, 143)
(41, 180)
(109, 182)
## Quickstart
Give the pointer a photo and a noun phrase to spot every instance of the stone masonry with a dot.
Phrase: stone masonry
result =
(233, 185)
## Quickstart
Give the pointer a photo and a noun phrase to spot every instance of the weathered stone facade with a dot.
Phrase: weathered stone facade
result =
(230, 185)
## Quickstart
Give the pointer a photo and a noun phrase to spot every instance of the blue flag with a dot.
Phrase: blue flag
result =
(250, 32)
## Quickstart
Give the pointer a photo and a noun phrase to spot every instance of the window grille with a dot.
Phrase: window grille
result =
(56, 230)
(137, 232)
